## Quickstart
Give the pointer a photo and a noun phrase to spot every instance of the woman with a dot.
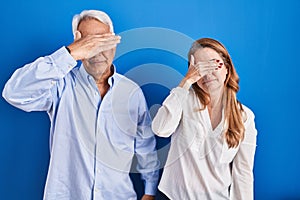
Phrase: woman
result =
(213, 135)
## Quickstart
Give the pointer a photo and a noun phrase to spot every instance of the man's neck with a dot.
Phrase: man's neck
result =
(102, 81)
(102, 78)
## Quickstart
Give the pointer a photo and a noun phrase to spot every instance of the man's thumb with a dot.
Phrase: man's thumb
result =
(77, 35)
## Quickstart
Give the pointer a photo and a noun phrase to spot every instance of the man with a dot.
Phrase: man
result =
(99, 118)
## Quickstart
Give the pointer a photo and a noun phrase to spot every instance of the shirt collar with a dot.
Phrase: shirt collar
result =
(112, 78)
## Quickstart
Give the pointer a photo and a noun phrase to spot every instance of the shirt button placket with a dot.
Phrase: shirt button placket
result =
(97, 164)
(96, 186)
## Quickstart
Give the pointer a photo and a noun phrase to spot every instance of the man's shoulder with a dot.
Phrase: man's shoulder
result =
(121, 79)
(125, 86)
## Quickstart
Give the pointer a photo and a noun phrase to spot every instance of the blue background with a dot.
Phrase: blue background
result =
(262, 37)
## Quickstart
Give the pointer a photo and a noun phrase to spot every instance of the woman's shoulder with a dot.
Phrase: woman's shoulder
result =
(248, 114)
(247, 110)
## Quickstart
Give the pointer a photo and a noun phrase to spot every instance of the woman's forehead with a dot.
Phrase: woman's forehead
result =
(206, 54)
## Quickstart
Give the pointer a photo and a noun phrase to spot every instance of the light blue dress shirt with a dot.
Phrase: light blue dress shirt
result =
(92, 140)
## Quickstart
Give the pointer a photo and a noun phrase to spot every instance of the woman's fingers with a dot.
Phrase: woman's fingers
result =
(192, 61)
(208, 66)
(197, 70)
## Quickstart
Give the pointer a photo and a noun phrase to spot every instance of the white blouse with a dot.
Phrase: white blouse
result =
(200, 165)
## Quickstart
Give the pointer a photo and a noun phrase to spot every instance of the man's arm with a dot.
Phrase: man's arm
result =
(30, 87)
(145, 149)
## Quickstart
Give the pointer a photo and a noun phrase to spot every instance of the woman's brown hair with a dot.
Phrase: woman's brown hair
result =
(233, 108)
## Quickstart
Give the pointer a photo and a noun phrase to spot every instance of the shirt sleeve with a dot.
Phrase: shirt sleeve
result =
(145, 149)
(242, 167)
(29, 88)
(169, 114)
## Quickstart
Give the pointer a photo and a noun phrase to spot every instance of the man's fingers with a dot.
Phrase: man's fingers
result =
(91, 45)
(103, 37)
(105, 44)
(108, 42)
(102, 44)
(102, 41)
(94, 52)
(108, 47)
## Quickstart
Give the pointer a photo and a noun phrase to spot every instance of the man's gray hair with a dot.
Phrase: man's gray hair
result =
(99, 15)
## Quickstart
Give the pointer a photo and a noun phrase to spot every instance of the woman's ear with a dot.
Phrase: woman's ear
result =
(77, 35)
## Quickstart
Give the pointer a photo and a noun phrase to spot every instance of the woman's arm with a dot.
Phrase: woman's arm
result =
(242, 168)
(169, 114)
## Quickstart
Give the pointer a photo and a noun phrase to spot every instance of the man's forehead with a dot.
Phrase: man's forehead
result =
(92, 20)
(93, 25)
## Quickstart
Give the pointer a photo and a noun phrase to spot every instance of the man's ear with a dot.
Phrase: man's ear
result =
(77, 35)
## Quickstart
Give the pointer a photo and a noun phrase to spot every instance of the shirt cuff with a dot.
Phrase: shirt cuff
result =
(63, 60)
(180, 93)
(150, 188)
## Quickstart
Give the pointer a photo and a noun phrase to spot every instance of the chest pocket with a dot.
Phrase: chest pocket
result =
(193, 133)
(228, 154)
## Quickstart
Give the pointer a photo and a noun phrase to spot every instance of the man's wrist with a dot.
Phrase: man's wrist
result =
(71, 51)
(68, 49)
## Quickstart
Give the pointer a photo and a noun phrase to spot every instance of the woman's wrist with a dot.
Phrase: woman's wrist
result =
(185, 84)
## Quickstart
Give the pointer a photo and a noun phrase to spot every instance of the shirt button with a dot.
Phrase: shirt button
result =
(98, 171)
(96, 190)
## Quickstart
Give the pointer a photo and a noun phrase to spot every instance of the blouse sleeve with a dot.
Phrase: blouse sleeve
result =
(242, 167)
(169, 114)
